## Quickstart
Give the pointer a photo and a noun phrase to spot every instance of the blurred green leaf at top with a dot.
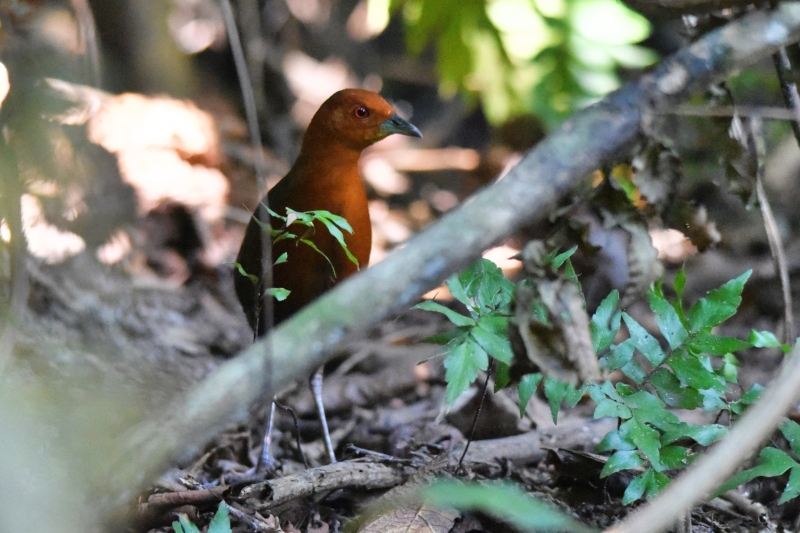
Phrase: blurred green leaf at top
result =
(546, 58)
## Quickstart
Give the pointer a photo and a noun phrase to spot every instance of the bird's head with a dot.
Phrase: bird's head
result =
(356, 118)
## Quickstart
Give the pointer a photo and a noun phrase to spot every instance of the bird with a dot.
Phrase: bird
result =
(325, 176)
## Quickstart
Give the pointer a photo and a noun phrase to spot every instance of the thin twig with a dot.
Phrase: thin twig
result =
(185, 497)
(20, 283)
(264, 314)
(726, 111)
(771, 227)
(248, 95)
(476, 417)
(255, 522)
(788, 87)
(87, 33)
(296, 430)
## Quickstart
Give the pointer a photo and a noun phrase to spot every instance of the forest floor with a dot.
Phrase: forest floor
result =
(136, 333)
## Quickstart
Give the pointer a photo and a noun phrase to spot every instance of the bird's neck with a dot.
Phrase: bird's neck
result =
(329, 158)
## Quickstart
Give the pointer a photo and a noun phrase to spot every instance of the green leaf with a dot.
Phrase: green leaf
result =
(667, 319)
(596, 392)
(646, 344)
(277, 293)
(765, 339)
(608, 407)
(221, 522)
(336, 233)
(614, 441)
(495, 323)
(605, 322)
(791, 430)
(636, 488)
(571, 275)
(527, 388)
(675, 457)
(264, 226)
(504, 501)
(281, 259)
(562, 257)
(574, 395)
(313, 246)
(746, 399)
(792, 487)
(623, 389)
(462, 365)
(492, 334)
(672, 393)
(648, 485)
(252, 277)
(502, 376)
(458, 292)
(703, 435)
(495, 345)
(647, 408)
(694, 371)
(280, 235)
(484, 284)
(540, 313)
(753, 394)
(591, 17)
(555, 391)
(273, 214)
(645, 438)
(299, 217)
(679, 286)
(336, 219)
(185, 524)
(659, 482)
(621, 460)
(706, 342)
(619, 355)
(719, 305)
(456, 318)
(635, 371)
(613, 391)
(713, 400)
(771, 462)
(730, 368)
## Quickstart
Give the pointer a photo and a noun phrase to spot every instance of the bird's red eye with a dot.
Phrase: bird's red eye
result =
(361, 112)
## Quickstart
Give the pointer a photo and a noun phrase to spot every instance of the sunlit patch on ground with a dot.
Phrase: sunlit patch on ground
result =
(672, 245)
(46, 241)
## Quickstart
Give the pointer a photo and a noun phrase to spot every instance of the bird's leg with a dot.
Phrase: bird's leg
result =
(266, 462)
(316, 390)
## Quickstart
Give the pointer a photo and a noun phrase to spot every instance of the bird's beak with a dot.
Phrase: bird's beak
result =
(398, 125)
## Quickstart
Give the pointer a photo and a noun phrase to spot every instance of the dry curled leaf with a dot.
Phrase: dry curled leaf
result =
(418, 518)
(643, 265)
(402, 511)
(623, 238)
(560, 345)
(657, 170)
(563, 348)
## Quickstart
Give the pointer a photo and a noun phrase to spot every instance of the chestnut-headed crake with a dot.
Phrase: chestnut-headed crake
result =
(325, 176)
